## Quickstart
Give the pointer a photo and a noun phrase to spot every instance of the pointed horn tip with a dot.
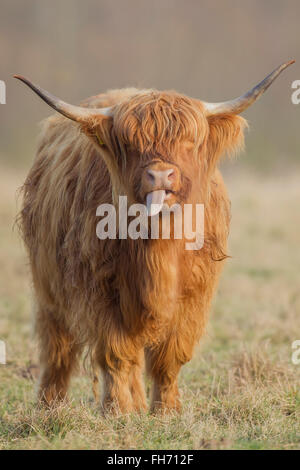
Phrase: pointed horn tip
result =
(287, 64)
(19, 77)
(22, 78)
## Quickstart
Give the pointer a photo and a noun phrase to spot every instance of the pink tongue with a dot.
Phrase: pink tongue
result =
(155, 201)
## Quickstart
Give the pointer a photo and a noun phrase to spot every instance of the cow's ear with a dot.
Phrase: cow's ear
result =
(99, 130)
(226, 136)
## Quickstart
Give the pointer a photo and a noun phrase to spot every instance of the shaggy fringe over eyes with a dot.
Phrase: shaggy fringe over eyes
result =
(158, 120)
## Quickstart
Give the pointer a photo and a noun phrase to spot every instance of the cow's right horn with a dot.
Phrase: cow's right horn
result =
(76, 113)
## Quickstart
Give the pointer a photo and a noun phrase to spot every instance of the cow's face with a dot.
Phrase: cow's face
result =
(157, 145)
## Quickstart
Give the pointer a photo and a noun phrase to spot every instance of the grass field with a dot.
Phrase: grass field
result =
(240, 391)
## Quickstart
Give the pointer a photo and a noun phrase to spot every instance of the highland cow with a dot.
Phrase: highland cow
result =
(128, 302)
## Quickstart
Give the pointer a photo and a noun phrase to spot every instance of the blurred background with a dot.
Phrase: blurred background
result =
(208, 49)
(241, 389)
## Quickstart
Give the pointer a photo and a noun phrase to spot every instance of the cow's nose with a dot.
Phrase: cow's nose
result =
(160, 178)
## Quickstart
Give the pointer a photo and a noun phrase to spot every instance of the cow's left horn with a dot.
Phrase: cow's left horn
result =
(239, 105)
(76, 113)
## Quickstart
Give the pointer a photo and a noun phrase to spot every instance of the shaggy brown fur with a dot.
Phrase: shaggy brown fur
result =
(124, 299)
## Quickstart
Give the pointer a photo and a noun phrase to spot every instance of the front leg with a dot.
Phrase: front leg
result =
(117, 396)
(120, 361)
(164, 362)
(165, 393)
(137, 387)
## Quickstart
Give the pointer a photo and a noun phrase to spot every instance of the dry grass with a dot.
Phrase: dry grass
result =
(240, 390)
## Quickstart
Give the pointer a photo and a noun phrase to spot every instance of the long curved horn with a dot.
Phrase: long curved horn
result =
(76, 113)
(239, 105)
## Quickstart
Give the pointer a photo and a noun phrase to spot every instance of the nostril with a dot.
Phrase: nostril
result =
(150, 176)
(170, 174)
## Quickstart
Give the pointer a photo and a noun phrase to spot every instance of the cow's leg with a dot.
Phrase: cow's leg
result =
(165, 394)
(137, 387)
(120, 361)
(164, 362)
(117, 396)
(58, 357)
